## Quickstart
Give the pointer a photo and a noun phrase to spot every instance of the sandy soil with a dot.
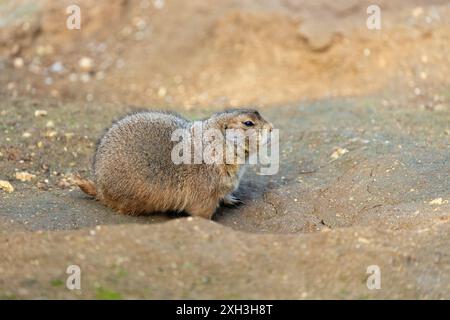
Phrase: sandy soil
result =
(364, 118)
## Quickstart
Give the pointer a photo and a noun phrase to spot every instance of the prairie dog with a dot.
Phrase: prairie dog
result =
(134, 172)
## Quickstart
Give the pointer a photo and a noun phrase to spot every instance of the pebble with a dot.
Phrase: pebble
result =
(418, 11)
(338, 153)
(51, 134)
(158, 4)
(18, 63)
(363, 240)
(438, 201)
(85, 77)
(162, 91)
(40, 113)
(25, 176)
(44, 50)
(86, 64)
(57, 67)
(6, 186)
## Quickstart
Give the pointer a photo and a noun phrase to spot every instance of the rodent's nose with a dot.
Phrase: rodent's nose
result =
(270, 125)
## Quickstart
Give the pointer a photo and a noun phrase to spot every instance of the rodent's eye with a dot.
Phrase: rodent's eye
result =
(249, 123)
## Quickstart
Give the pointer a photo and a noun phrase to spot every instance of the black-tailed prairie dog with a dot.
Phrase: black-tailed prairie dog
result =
(135, 173)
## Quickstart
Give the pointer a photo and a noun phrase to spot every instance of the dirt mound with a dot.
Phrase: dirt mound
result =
(195, 259)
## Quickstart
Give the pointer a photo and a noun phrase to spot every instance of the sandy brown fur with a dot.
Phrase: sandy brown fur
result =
(134, 173)
(86, 185)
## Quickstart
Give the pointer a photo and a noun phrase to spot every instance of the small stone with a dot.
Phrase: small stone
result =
(139, 23)
(438, 201)
(50, 124)
(418, 11)
(57, 67)
(40, 113)
(25, 176)
(162, 91)
(51, 134)
(6, 186)
(85, 77)
(338, 153)
(18, 63)
(86, 64)
(26, 135)
(158, 4)
(363, 240)
(44, 50)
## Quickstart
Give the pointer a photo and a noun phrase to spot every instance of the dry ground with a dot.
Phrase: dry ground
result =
(364, 172)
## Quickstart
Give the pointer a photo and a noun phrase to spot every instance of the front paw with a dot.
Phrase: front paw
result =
(232, 201)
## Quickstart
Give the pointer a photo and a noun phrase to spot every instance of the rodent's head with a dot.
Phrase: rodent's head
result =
(247, 121)
(244, 119)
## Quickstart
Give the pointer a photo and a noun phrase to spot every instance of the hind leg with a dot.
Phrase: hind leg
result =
(203, 209)
(126, 206)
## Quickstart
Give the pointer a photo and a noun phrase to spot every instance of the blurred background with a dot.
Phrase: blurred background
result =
(220, 53)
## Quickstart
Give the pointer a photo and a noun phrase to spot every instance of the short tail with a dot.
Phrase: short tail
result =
(86, 185)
